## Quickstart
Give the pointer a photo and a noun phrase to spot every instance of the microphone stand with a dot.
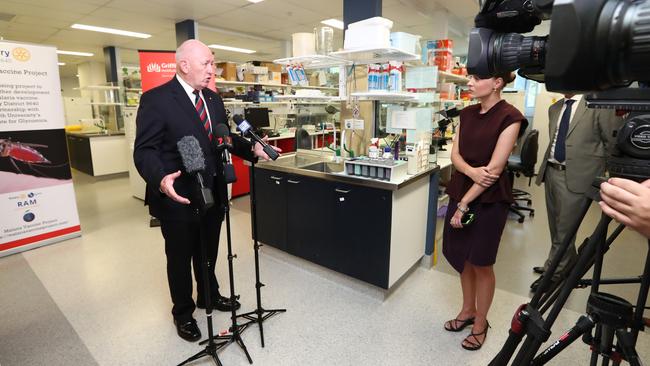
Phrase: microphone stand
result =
(235, 330)
(259, 315)
(206, 201)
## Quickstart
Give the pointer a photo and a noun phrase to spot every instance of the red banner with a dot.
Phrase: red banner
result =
(158, 67)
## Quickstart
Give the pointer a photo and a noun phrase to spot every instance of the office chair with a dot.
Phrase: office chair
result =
(303, 139)
(524, 164)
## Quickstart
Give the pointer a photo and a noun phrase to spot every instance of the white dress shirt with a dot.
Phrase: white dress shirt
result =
(190, 94)
(574, 108)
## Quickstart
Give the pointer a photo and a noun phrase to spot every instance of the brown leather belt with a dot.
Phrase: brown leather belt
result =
(556, 166)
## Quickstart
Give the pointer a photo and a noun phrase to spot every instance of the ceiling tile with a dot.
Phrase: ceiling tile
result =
(41, 20)
(20, 8)
(326, 9)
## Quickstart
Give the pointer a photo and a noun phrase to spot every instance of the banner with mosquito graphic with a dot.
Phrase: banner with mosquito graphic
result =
(37, 197)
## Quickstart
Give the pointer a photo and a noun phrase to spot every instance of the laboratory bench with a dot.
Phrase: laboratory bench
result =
(370, 229)
(98, 153)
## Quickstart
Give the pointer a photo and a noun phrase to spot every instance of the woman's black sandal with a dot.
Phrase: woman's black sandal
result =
(475, 346)
(463, 324)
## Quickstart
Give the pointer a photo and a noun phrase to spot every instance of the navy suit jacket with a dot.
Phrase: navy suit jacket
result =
(166, 115)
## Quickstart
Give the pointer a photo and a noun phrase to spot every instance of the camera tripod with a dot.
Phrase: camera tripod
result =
(612, 317)
(259, 315)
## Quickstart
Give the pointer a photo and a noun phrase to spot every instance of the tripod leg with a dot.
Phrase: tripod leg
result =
(259, 315)
(626, 342)
(643, 298)
(583, 325)
(531, 345)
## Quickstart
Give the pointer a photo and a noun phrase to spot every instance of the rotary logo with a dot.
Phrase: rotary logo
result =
(153, 67)
(21, 54)
(28, 216)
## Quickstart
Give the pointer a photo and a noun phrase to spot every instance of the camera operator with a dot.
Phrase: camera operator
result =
(627, 202)
(581, 139)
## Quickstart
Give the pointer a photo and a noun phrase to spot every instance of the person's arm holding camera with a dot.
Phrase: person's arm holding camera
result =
(627, 202)
(494, 168)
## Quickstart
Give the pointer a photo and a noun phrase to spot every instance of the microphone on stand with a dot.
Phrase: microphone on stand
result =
(246, 128)
(223, 143)
(194, 164)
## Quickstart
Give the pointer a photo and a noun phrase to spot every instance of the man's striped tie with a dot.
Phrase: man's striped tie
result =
(203, 113)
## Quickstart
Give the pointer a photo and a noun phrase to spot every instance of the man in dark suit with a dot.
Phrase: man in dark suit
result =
(581, 139)
(184, 106)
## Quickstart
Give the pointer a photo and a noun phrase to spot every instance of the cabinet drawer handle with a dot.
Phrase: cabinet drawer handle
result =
(293, 181)
(276, 178)
(342, 191)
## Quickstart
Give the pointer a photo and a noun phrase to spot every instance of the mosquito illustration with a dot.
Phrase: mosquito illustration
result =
(25, 153)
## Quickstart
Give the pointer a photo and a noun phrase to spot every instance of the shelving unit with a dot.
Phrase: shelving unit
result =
(385, 96)
(105, 103)
(304, 98)
(313, 61)
(99, 87)
(375, 55)
(452, 78)
(279, 86)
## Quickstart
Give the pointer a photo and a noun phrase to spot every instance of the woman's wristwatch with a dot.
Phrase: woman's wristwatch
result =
(462, 209)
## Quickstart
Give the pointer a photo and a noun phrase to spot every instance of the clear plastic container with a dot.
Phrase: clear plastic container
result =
(324, 37)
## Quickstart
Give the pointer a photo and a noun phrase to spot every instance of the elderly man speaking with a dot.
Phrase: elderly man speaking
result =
(184, 106)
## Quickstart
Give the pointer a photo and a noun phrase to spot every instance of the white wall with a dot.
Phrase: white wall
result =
(91, 73)
(70, 87)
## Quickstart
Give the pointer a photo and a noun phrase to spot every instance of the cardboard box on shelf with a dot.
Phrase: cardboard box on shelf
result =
(262, 78)
(443, 59)
(260, 70)
(249, 77)
(275, 77)
(313, 79)
(229, 70)
(271, 66)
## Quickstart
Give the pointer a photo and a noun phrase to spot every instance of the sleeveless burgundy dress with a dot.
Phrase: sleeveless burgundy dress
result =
(478, 243)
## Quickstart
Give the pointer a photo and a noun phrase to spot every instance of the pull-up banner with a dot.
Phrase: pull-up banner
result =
(37, 197)
(158, 67)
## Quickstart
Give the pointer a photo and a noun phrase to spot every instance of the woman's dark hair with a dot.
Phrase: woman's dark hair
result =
(507, 77)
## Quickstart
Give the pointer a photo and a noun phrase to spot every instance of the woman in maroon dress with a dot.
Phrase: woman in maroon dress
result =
(486, 137)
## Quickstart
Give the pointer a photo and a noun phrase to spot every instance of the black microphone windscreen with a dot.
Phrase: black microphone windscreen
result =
(191, 154)
(221, 130)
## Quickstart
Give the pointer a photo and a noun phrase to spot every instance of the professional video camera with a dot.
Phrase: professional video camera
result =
(599, 47)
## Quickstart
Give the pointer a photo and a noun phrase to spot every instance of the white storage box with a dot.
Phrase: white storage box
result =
(367, 37)
(368, 33)
(375, 21)
(404, 41)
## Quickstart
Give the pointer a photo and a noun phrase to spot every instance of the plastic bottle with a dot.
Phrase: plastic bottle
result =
(302, 77)
(293, 80)
(385, 74)
(395, 71)
(371, 73)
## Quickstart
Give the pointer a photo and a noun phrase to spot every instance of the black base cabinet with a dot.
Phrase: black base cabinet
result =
(271, 207)
(346, 228)
(362, 219)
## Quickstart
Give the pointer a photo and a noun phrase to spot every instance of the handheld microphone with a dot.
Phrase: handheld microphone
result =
(194, 163)
(247, 129)
(222, 141)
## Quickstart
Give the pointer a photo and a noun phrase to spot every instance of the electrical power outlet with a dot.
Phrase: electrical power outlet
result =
(349, 124)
